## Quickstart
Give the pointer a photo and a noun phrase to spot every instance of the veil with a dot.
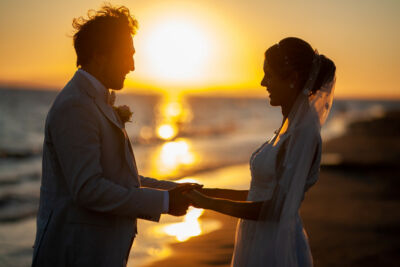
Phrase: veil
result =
(276, 239)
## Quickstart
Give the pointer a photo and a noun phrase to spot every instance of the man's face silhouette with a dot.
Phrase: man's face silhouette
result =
(118, 63)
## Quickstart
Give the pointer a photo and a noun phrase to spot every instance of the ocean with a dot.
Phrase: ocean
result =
(173, 138)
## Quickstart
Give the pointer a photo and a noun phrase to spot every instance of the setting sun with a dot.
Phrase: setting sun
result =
(195, 175)
(177, 50)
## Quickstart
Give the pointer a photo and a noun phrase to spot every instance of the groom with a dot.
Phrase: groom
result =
(91, 193)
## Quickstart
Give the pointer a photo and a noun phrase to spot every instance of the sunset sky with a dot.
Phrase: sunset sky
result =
(210, 46)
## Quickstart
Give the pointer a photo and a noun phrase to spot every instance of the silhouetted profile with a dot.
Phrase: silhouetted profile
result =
(270, 232)
(91, 193)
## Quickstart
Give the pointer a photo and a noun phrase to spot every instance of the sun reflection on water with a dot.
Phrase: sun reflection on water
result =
(172, 157)
(167, 131)
(159, 253)
(176, 153)
(173, 114)
(188, 228)
(191, 225)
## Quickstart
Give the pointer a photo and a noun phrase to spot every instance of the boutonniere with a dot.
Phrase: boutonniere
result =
(123, 112)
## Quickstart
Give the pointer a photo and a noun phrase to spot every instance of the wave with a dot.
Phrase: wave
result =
(19, 153)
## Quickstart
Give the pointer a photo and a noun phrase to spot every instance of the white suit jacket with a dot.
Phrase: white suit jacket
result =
(91, 192)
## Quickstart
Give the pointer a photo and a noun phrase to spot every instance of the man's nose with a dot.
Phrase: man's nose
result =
(264, 82)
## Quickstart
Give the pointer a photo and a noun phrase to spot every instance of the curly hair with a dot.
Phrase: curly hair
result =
(101, 30)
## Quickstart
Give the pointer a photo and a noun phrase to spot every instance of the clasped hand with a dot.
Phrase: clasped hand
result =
(179, 198)
(196, 198)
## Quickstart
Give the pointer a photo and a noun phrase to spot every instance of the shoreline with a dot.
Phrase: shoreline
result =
(347, 217)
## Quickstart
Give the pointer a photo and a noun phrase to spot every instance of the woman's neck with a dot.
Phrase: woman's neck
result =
(285, 111)
(287, 106)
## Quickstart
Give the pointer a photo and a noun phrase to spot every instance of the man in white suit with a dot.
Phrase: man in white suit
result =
(91, 192)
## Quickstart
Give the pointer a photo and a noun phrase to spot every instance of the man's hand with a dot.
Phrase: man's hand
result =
(178, 203)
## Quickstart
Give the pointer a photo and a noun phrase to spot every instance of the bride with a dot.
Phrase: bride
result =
(270, 232)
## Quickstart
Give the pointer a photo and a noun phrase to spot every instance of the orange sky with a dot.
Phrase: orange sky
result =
(217, 46)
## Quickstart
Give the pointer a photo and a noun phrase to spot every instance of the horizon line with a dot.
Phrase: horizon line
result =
(214, 92)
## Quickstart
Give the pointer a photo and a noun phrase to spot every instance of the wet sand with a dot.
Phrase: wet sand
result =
(351, 215)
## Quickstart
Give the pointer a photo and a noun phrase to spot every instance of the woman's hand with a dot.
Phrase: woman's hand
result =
(238, 195)
(241, 209)
(197, 199)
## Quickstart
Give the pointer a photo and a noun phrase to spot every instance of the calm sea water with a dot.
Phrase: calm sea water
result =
(211, 133)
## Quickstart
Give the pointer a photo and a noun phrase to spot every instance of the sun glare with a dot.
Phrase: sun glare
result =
(172, 115)
(177, 50)
(166, 131)
(173, 157)
(174, 153)
(188, 228)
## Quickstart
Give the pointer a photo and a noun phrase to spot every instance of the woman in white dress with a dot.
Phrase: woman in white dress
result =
(270, 232)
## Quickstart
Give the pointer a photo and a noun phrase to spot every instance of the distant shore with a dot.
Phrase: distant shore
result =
(351, 214)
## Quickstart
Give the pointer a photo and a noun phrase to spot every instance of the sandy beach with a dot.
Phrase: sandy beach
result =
(351, 214)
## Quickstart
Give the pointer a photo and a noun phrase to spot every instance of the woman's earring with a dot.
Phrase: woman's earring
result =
(291, 85)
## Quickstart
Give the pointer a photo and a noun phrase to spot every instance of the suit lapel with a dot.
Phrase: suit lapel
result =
(108, 112)
(100, 100)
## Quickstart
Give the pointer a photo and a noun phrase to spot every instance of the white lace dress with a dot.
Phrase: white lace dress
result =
(257, 243)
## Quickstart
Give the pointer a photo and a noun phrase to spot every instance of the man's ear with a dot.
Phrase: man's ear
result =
(99, 59)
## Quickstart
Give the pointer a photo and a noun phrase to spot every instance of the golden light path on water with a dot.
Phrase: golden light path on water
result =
(166, 131)
(172, 159)
(151, 244)
(175, 154)
(173, 114)
(191, 225)
(188, 228)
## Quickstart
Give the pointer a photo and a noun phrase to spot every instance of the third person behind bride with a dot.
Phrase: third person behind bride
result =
(270, 231)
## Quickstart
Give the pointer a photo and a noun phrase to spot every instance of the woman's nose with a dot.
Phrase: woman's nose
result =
(131, 64)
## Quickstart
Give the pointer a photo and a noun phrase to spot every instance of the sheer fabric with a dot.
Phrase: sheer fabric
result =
(282, 170)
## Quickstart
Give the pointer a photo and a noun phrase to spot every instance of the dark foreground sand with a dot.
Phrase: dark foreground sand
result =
(351, 215)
